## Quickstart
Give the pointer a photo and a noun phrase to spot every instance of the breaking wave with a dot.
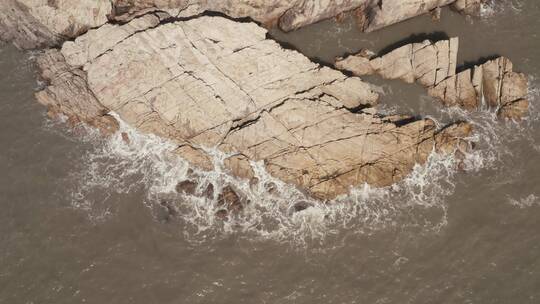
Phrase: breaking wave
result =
(147, 164)
(143, 165)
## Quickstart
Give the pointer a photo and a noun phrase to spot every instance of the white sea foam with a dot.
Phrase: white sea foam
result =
(529, 201)
(490, 8)
(147, 164)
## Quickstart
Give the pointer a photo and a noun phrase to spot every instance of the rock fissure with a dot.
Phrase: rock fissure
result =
(202, 79)
(433, 65)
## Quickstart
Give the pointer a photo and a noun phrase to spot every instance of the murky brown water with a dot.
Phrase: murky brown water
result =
(80, 217)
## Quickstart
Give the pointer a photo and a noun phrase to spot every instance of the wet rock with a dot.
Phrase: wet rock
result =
(230, 200)
(167, 211)
(125, 138)
(469, 7)
(68, 94)
(514, 110)
(214, 82)
(239, 166)
(209, 191)
(271, 188)
(433, 65)
(38, 23)
(301, 206)
(187, 187)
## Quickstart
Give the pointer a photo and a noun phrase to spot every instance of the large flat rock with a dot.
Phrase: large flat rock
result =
(211, 82)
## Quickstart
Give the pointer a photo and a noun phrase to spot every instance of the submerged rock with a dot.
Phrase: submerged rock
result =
(230, 200)
(67, 93)
(209, 191)
(376, 14)
(188, 187)
(434, 65)
(214, 82)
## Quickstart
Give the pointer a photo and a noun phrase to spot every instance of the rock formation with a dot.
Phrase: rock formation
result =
(33, 24)
(68, 94)
(40, 23)
(433, 65)
(210, 82)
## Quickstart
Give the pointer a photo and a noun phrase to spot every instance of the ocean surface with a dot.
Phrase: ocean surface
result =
(87, 219)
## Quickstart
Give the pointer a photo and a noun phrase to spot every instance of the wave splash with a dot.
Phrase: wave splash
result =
(145, 164)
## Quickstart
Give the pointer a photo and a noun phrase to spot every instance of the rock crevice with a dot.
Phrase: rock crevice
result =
(210, 82)
(44, 23)
(492, 84)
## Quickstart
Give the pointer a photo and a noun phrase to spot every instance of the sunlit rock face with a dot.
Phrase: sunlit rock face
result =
(37, 23)
(433, 65)
(210, 82)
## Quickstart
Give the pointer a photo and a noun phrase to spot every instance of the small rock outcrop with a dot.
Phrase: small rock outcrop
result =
(434, 66)
(210, 82)
(188, 187)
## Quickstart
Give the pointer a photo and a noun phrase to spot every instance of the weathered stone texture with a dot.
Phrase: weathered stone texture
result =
(433, 65)
(38, 23)
(212, 82)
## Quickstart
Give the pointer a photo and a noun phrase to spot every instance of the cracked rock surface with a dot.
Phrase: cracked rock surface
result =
(40, 23)
(433, 65)
(210, 82)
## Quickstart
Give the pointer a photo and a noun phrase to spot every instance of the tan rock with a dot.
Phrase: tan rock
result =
(239, 165)
(67, 93)
(188, 187)
(212, 82)
(359, 64)
(38, 23)
(433, 65)
(427, 63)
